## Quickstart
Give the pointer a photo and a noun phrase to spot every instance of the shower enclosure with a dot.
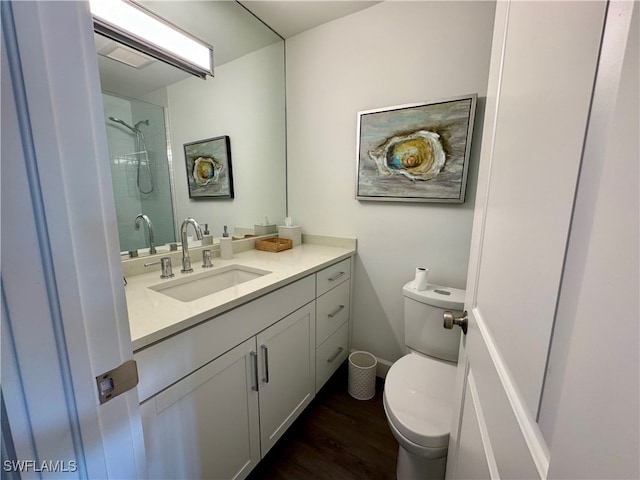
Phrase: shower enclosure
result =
(140, 170)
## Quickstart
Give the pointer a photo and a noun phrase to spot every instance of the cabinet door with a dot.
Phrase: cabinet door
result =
(286, 353)
(206, 425)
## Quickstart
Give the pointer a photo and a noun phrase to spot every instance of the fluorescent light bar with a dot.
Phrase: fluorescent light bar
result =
(140, 29)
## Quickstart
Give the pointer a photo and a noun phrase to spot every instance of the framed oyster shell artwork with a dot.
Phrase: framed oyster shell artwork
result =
(208, 164)
(417, 152)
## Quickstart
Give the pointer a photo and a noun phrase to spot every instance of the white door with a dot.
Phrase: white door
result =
(543, 67)
(64, 317)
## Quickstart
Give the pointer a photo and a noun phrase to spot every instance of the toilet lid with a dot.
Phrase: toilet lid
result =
(418, 395)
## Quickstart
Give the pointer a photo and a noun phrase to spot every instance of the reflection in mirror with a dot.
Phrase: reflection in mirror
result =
(150, 112)
(137, 141)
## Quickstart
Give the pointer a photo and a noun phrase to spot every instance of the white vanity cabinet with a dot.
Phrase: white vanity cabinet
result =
(333, 290)
(222, 419)
(217, 396)
(205, 425)
(211, 413)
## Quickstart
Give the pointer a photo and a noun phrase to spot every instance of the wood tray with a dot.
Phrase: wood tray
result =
(274, 244)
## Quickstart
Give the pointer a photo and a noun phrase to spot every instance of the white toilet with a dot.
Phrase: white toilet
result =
(418, 391)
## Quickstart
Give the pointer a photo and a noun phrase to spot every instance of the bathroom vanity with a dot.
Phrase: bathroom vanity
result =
(223, 376)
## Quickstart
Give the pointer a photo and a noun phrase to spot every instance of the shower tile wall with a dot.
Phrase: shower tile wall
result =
(129, 200)
(121, 146)
(158, 205)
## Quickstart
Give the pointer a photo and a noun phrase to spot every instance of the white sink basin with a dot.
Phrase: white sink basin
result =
(193, 286)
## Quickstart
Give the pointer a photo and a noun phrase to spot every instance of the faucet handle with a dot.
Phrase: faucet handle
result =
(206, 259)
(165, 267)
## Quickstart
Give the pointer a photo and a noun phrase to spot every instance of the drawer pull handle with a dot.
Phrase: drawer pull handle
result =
(336, 311)
(336, 276)
(336, 355)
(265, 353)
(254, 365)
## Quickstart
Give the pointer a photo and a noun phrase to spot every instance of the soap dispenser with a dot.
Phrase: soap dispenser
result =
(226, 248)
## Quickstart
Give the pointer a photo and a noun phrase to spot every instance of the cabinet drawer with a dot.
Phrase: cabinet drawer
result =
(333, 276)
(332, 310)
(331, 354)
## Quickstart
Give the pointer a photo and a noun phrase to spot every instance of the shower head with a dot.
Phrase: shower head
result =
(122, 122)
(145, 122)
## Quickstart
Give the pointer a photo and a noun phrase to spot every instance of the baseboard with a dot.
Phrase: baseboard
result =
(383, 367)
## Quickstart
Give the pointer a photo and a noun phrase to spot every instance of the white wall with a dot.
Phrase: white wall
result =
(245, 100)
(390, 54)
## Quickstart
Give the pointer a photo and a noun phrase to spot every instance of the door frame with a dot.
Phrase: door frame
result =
(64, 252)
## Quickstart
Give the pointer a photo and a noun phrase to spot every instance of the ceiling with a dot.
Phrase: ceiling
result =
(290, 17)
(227, 26)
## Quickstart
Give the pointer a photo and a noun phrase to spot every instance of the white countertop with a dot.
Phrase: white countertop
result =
(154, 316)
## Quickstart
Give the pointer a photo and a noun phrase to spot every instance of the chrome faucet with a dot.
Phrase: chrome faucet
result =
(152, 245)
(186, 259)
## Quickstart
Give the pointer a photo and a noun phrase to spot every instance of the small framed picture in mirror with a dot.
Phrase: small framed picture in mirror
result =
(208, 163)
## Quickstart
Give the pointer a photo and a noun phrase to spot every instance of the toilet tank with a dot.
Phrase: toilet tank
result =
(423, 321)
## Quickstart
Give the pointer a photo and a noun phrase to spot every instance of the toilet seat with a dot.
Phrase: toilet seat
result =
(418, 395)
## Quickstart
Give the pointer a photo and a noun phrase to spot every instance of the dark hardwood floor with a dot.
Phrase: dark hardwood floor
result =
(337, 437)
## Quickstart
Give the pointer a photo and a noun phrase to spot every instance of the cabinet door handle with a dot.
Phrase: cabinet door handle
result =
(336, 276)
(335, 355)
(336, 311)
(254, 364)
(265, 354)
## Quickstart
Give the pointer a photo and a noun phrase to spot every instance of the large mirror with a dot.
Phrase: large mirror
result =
(152, 110)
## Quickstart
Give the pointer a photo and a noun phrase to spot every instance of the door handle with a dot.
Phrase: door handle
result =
(450, 320)
(254, 358)
(265, 353)
(335, 355)
(335, 276)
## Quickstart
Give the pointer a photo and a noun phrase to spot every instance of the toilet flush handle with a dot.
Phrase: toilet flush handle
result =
(450, 320)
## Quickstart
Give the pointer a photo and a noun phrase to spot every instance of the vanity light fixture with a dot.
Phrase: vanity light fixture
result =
(123, 54)
(131, 24)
